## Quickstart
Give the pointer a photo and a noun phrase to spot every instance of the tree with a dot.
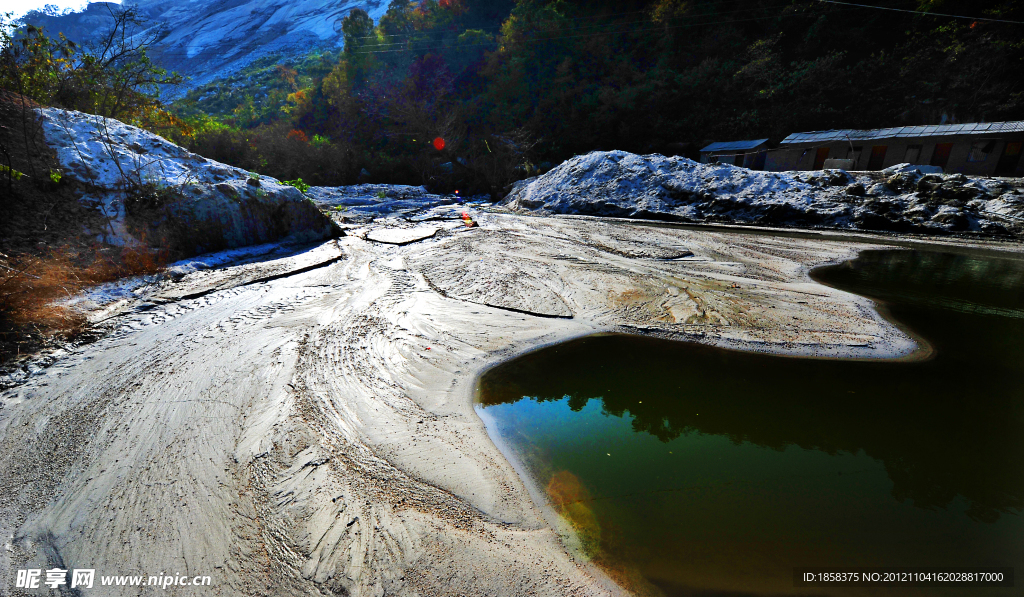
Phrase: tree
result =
(113, 78)
(360, 38)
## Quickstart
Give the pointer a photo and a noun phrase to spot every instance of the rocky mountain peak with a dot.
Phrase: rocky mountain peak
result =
(212, 39)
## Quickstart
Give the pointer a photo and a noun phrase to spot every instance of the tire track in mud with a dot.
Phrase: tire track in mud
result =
(315, 434)
(367, 515)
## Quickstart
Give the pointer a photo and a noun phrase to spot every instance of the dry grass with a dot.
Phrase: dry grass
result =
(45, 253)
(32, 286)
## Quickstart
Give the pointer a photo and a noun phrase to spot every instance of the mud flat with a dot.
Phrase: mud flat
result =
(314, 433)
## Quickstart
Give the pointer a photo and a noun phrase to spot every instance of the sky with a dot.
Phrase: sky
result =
(20, 7)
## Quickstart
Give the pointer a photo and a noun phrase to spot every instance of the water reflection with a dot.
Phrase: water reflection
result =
(947, 431)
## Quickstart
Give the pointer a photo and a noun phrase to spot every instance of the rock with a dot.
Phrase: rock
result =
(951, 220)
(994, 229)
(836, 178)
(929, 182)
(621, 184)
(855, 190)
(903, 181)
(878, 189)
(909, 168)
(211, 40)
(402, 236)
(180, 199)
(227, 189)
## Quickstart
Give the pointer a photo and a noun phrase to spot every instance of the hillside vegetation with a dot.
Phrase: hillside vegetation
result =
(476, 94)
(512, 85)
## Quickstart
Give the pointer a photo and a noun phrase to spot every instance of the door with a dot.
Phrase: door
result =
(1008, 162)
(877, 157)
(820, 157)
(941, 154)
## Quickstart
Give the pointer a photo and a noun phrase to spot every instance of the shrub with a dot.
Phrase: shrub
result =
(117, 80)
(298, 184)
(274, 151)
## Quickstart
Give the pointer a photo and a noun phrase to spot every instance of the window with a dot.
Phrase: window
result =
(980, 150)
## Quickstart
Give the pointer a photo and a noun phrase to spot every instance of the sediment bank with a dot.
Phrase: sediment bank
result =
(314, 433)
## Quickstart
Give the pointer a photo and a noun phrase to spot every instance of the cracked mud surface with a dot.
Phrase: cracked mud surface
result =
(314, 434)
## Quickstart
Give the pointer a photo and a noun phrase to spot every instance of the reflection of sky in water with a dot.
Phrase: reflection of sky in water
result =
(722, 471)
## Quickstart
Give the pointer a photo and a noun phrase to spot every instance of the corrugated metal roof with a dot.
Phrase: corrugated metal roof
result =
(934, 130)
(734, 145)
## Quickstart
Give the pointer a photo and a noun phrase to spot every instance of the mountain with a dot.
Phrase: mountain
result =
(207, 40)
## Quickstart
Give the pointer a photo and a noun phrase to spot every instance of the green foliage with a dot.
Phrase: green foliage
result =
(56, 176)
(298, 184)
(509, 84)
(474, 37)
(258, 94)
(11, 172)
(116, 78)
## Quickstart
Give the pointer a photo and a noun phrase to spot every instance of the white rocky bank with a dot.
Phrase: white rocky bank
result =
(224, 204)
(898, 199)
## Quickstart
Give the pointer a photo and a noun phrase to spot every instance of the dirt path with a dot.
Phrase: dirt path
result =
(315, 434)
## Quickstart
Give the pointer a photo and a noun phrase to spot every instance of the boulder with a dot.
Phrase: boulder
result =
(157, 193)
(621, 184)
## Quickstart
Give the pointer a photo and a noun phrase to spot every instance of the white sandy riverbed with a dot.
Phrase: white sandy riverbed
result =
(313, 433)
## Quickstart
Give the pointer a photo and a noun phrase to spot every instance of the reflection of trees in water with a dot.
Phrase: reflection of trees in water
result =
(942, 428)
(992, 281)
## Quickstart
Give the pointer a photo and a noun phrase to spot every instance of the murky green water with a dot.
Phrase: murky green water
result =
(697, 471)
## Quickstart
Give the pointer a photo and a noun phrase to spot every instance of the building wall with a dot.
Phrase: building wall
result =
(751, 158)
(801, 157)
(781, 160)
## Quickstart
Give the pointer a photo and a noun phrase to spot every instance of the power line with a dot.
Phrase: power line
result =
(581, 18)
(921, 12)
(542, 39)
(615, 24)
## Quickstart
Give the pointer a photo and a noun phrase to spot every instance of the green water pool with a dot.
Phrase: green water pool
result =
(689, 470)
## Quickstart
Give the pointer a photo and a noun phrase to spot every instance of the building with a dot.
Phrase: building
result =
(983, 149)
(749, 154)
